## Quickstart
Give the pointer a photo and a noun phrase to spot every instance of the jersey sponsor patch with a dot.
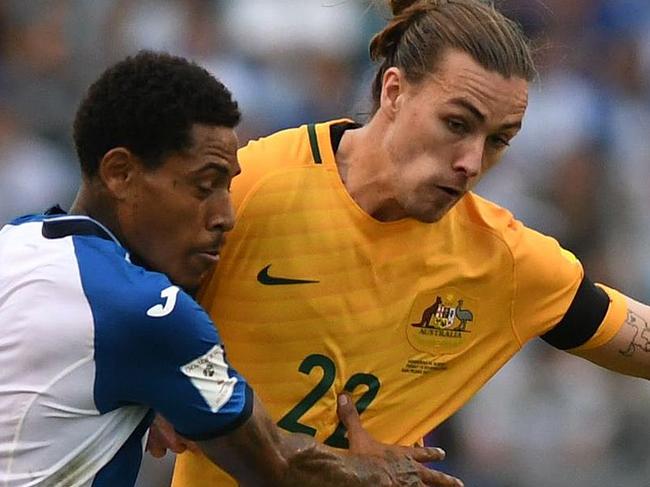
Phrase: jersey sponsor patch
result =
(209, 375)
(441, 322)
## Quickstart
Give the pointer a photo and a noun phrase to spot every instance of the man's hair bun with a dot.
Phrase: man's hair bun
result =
(398, 6)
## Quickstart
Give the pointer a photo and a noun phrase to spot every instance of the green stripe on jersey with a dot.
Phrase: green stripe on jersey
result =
(313, 142)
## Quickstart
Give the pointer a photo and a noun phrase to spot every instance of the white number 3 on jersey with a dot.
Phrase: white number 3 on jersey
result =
(169, 295)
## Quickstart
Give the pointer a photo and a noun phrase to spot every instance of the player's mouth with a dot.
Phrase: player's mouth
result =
(451, 191)
(210, 256)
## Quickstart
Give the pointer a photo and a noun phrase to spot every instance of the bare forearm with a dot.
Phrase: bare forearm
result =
(629, 351)
(252, 453)
(259, 454)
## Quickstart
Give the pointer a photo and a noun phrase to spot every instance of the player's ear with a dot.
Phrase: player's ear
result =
(392, 89)
(117, 170)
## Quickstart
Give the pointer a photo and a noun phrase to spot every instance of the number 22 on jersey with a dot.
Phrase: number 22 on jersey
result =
(291, 420)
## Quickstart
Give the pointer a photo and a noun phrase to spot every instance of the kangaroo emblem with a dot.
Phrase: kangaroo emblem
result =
(441, 322)
(440, 316)
(428, 313)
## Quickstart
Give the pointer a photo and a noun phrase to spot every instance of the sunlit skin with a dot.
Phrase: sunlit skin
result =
(172, 219)
(430, 141)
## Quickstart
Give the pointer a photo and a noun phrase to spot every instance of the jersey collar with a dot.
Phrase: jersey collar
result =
(58, 224)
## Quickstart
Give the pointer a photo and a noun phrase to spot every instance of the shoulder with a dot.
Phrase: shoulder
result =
(480, 220)
(290, 147)
(128, 299)
(274, 156)
(278, 152)
(108, 273)
(491, 218)
(537, 256)
(482, 213)
(275, 143)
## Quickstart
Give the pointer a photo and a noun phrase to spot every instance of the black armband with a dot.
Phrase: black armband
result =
(582, 319)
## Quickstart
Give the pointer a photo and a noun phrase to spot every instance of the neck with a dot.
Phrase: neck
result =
(92, 201)
(366, 170)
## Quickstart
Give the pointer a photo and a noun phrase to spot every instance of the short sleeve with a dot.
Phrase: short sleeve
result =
(154, 345)
(546, 279)
(553, 298)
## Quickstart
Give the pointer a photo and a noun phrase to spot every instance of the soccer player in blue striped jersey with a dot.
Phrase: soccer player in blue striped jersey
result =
(98, 326)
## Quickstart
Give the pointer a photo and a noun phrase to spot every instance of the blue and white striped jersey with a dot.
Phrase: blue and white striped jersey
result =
(91, 343)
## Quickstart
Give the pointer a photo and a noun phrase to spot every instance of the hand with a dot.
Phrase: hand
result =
(163, 437)
(403, 464)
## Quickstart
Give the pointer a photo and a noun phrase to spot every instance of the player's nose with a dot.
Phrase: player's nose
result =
(221, 214)
(470, 159)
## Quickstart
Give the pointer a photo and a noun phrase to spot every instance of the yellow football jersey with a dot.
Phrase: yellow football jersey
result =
(312, 297)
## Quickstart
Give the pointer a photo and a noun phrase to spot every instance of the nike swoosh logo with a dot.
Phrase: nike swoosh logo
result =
(264, 278)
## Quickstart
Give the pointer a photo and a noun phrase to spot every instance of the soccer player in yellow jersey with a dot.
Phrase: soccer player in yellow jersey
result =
(361, 261)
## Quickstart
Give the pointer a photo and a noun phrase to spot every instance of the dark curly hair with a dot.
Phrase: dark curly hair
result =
(148, 104)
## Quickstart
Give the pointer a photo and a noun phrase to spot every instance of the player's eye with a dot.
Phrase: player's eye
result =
(204, 189)
(457, 126)
(499, 142)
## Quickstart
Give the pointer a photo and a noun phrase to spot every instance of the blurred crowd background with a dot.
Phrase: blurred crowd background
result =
(579, 170)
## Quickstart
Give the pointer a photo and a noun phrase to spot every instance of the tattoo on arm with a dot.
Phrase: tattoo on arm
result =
(641, 339)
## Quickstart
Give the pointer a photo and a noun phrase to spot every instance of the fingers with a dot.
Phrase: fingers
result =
(163, 437)
(429, 476)
(422, 454)
(363, 443)
(434, 478)
(155, 444)
(349, 416)
(192, 446)
(157, 452)
(170, 439)
(173, 441)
